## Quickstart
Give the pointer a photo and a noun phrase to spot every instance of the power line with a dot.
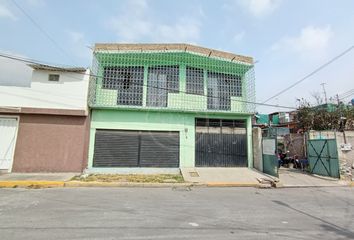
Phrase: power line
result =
(93, 75)
(347, 96)
(343, 95)
(312, 73)
(16, 57)
(179, 91)
(43, 31)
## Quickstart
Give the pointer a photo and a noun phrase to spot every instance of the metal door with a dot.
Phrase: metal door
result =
(269, 153)
(119, 148)
(220, 143)
(8, 129)
(323, 157)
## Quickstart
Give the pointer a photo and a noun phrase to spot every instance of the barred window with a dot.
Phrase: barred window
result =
(235, 86)
(194, 81)
(161, 81)
(220, 89)
(128, 81)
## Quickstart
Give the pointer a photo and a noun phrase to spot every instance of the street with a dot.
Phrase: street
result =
(180, 213)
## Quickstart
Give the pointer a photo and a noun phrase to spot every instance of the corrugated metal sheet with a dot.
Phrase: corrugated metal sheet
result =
(114, 148)
(159, 149)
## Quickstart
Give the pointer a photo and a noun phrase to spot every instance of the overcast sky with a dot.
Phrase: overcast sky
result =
(288, 39)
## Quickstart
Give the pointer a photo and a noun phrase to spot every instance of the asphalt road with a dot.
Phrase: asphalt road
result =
(155, 213)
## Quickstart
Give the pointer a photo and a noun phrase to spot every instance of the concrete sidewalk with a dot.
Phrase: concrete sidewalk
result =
(296, 178)
(225, 176)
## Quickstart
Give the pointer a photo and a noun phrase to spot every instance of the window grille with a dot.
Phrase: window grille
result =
(221, 87)
(227, 85)
(161, 81)
(194, 81)
(235, 85)
(128, 81)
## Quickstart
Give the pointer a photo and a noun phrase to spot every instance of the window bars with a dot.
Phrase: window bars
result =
(128, 81)
(181, 81)
(221, 87)
(161, 81)
(194, 80)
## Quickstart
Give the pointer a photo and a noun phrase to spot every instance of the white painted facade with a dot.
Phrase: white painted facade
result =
(70, 92)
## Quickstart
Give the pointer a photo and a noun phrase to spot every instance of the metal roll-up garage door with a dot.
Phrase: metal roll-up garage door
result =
(117, 148)
(159, 149)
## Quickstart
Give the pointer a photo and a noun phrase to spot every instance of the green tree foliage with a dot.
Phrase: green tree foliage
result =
(317, 118)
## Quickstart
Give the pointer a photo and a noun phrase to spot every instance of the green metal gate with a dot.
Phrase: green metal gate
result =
(269, 153)
(323, 157)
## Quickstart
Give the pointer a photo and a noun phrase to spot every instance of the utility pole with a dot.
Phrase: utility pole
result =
(324, 91)
(337, 97)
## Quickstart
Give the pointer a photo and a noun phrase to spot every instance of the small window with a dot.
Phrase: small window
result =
(53, 77)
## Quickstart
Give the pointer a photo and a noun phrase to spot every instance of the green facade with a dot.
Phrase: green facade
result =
(182, 108)
(184, 123)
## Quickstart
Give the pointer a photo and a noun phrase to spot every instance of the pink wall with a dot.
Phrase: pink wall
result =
(51, 143)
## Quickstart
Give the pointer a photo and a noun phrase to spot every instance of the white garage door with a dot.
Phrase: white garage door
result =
(8, 129)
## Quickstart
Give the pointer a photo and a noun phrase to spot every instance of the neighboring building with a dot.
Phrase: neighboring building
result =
(44, 127)
(277, 123)
(329, 107)
(161, 107)
(283, 122)
(260, 120)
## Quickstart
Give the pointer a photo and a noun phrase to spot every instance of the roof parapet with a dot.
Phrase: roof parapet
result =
(181, 47)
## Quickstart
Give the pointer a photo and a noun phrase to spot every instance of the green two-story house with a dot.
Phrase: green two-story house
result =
(162, 107)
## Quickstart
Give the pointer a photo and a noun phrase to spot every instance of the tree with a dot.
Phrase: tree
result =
(317, 118)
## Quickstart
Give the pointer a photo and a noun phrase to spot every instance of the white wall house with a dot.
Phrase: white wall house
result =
(51, 87)
(44, 124)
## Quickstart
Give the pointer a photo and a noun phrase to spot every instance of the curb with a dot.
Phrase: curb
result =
(73, 184)
(129, 184)
(340, 184)
(31, 184)
(227, 184)
(313, 186)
